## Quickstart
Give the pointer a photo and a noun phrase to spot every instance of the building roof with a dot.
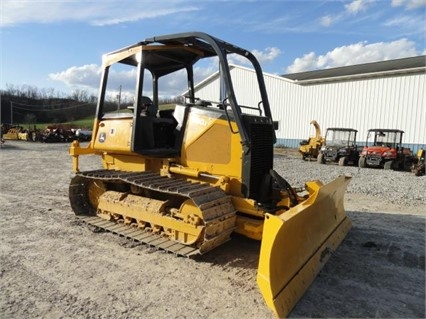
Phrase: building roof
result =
(409, 65)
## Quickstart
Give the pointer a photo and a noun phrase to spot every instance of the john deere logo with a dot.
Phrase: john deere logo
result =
(102, 137)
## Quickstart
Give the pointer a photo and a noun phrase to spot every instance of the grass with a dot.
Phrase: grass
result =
(83, 124)
(86, 123)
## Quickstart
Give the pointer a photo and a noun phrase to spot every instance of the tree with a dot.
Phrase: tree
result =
(80, 95)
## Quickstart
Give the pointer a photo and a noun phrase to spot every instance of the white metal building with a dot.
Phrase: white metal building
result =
(388, 94)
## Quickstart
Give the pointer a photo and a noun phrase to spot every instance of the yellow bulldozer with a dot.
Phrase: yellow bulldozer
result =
(185, 178)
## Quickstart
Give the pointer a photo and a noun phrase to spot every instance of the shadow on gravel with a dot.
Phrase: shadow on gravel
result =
(7, 147)
(240, 251)
(377, 272)
(18, 145)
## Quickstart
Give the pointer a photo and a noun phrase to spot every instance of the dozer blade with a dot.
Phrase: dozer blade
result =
(297, 244)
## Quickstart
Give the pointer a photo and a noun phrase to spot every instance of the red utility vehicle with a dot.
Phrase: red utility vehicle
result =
(384, 150)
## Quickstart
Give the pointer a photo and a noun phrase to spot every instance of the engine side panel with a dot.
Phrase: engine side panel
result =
(114, 135)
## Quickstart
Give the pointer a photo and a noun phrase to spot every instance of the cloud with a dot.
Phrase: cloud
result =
(266, 56)
(351, 9)
(86, 76)
(326, 21)
(98, 13)
(357, 6)
(410, 24)
(357, 53)
(409, 4)
(139, 14)
(307, 62)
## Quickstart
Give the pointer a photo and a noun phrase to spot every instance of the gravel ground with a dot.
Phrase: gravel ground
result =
(53, 267)
(395, 187)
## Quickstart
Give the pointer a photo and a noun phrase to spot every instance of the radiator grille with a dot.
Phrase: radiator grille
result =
(260, 159)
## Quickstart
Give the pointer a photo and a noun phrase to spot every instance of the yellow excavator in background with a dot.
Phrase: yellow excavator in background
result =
(310, 148)
(184, 179)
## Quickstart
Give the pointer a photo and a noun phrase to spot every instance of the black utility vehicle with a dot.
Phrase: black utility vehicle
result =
(339, 147)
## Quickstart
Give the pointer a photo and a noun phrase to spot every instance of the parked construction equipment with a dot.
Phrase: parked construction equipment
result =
(418, 168)
(184, 180)
(15, 132)
(310, 148)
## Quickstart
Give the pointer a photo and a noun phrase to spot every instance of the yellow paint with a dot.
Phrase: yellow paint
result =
(209, 146)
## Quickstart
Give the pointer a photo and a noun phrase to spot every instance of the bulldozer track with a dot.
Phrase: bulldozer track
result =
(216, 207)
(145, 237)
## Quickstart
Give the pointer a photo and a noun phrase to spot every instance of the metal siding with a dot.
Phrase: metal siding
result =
(245, 87)
(416, 96)
(286, 105)
(209, 92)
(394, 102)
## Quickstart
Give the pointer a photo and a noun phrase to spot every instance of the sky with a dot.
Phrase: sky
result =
(58, 45)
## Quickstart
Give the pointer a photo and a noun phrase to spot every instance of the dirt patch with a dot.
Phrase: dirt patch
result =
(53, 267)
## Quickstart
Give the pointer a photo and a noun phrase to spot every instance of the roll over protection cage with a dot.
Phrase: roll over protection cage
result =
(206, 46)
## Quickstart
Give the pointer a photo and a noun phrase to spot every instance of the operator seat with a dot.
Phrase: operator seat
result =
(157, 134)
(148, 107)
